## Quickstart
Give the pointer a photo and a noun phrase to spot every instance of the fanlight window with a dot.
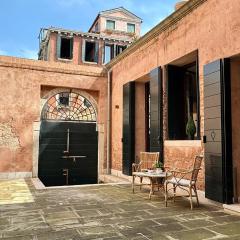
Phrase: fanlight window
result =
(68, 107)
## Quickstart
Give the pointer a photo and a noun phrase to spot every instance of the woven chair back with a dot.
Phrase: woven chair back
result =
(148, 159)
(196, 167)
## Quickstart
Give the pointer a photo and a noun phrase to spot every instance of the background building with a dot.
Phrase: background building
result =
(110, 34)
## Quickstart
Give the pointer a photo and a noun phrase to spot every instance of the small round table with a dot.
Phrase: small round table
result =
(157, 179)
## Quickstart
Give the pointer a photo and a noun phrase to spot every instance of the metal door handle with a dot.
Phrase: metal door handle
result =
(65, 173)
(68, 133)
(73, 157)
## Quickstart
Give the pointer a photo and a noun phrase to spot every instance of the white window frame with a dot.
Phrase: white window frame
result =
(111, 21)
(133, 24)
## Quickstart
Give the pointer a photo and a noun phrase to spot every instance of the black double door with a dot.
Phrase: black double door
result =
(68, 153)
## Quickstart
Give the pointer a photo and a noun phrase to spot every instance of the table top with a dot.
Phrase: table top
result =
(151, 174)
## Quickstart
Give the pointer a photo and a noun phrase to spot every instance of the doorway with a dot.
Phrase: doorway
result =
(68, 143)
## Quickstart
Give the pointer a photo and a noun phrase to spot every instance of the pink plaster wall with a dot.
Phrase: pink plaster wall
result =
(21, 82)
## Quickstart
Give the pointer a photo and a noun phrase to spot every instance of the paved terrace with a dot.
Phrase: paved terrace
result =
(105, 212)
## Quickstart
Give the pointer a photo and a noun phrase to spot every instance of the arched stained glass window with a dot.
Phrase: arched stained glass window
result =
(68, 106)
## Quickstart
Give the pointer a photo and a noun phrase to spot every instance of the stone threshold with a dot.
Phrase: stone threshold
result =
(40, 186)
(232, 208)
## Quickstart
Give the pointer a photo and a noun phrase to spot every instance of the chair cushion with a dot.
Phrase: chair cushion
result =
(182, 182)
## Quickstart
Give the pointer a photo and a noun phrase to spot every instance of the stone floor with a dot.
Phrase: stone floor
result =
(105, 212)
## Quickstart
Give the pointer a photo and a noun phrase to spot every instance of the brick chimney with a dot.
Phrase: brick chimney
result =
(180, 4)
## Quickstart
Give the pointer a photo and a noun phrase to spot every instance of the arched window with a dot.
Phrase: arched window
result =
(68, 106)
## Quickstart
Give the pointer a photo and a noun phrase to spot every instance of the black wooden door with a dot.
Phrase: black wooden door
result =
(57, 165)
(156, 118)
(128, 139)
(217, 131)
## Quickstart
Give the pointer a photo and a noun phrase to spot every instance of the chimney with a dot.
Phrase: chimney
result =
(180, 4)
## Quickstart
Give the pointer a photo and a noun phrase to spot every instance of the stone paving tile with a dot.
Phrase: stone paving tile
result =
(196, 234)
(108, 212)
(227, 229)
(198, 223)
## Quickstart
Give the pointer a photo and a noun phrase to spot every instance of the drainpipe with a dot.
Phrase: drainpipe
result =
(109, 72)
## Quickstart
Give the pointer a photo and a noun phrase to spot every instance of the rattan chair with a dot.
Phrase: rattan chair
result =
(184, 179)
(147, 160)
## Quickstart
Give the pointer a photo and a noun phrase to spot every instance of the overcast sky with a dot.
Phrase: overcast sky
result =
(21, 20)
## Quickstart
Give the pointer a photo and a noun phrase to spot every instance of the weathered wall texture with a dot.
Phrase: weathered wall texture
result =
(21, 84)
(213, 29)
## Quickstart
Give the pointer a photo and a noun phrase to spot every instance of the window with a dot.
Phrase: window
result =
(109, 53)
(97, 27)
(110, 25)
(66, 48)
(120, 49)
(130, 28)
(91, 52)
(183, 101)
(63, 99)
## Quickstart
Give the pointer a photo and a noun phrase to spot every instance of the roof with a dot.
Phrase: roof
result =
(87, 34)
(119, 9)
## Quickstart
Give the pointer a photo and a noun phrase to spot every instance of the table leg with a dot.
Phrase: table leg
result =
(151, 187)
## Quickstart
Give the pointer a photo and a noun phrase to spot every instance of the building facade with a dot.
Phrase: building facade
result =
(188, 65)
(110, 34)
(187, 68)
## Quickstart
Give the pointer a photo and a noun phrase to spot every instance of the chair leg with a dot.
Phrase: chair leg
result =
(166, 194)
(174, 192)
(195, 190)
(141, 179)
(190, 195)
(133, 180)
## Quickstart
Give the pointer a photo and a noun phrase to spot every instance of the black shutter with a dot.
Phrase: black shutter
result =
(217, 131)
(156, 118)
(128, 127)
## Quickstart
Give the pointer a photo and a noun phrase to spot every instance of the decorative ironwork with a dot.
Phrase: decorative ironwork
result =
(68, 106)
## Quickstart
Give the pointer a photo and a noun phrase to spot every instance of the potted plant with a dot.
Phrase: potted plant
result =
(158, 165)
(190, 128)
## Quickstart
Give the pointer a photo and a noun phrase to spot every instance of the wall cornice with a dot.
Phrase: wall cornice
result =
(158, 29)
(44, 66)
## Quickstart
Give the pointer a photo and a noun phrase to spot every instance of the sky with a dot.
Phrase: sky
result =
(21, 20)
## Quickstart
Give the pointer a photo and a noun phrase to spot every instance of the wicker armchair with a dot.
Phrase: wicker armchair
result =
(147, 160)
(184, 179)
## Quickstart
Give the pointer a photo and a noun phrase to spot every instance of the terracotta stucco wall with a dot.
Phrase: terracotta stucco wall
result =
(21, 83)
(213, 29)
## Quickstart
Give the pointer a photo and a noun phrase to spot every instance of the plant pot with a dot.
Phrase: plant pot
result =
(190, 137)
(159, 170)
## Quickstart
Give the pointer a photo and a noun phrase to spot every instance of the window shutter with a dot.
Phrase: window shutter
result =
(96, 52)
(83, 49)
(59, 46)
(71, 48)
(114, 51)
(103, 53)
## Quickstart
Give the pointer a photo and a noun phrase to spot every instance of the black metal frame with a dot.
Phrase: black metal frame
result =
(198, 95)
